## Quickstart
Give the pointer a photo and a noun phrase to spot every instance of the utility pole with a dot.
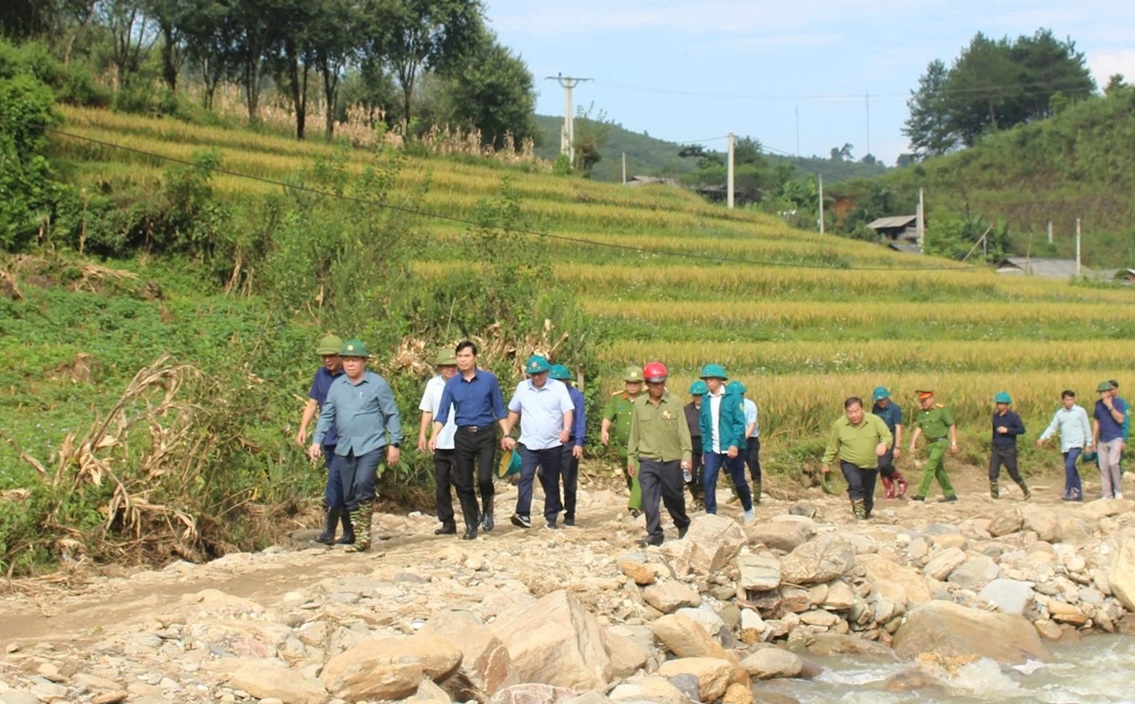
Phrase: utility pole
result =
(868, 122)
(624, 168)
(1050, 232)
(1077, 246)
(921, 222)
(729, 174)
(820, 181)
(567, 135)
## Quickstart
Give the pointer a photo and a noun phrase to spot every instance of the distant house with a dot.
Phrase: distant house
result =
(900, 232)
(1126, 276)
(639, 180)
(1044, 268)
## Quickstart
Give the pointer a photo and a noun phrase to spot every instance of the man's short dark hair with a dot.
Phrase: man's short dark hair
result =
(852, 401)
(1067, 393)
(467, 344)
(1114, 383)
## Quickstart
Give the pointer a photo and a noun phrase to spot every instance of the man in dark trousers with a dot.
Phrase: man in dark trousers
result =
(894, 484)
(698, 390)
(475, 395)
(573, 449)
(1007, 425)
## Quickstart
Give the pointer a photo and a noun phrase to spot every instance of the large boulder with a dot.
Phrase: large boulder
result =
(949, 630)
(555, 641)
(819, 560)
(670, 596)
(484, 658)
(782, 534)
(714, 675)
(975, 572)
(1010, 596)
(895, 579)
(1121, 573)
(265, 680)
(769, 663)
(710, 543)
(758, 573)
(389, 668)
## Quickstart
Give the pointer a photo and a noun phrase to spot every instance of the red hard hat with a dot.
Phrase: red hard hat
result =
(655, 371)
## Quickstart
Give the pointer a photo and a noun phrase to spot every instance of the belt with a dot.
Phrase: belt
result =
(937, 439)
(475, 428)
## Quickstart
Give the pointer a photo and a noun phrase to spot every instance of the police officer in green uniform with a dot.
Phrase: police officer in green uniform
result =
(615, 431)
(936, 422)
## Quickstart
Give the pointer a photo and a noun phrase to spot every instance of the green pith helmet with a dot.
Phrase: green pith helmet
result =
(329, 345)
(880, 393)
(736, 387)
(353, 348)
(445, 359)
(1002, 397)
(560, 372)
(698, 388)
(1104, 386)
(714, 371)
(536, 364)
(632, 374)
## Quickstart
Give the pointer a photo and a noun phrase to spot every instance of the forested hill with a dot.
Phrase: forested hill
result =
(1076, 164)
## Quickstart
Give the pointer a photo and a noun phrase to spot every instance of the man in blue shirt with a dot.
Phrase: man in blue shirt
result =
(1007, 425)
(475, 397)
(894, 484)
(1107, 435)
(332, 369)
(361, 405)
(573, 449)
(545, 411)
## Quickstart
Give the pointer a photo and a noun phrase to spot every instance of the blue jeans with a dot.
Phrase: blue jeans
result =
(333, 491)
(549, 460)
(1072, 488)
(356, 474)
(735, 466)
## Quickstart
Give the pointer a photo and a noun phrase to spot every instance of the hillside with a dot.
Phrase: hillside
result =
(1073, 165)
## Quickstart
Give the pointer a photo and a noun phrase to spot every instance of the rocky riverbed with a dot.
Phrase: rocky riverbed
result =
(583, 614)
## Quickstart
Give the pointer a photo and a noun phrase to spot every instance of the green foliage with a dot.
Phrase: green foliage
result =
(967, 236)
(27, 189)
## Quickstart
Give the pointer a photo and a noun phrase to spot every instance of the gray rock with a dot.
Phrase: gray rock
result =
(975, 572)
(759, 573)
(1009, 595)
(781, 534)
(820, 560)
(941, 565)
(768, 663)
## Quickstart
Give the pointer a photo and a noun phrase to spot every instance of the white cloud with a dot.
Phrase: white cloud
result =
(1105, 64)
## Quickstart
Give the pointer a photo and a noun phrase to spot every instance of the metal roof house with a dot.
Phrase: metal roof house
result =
(1044, 268)
(900, 232)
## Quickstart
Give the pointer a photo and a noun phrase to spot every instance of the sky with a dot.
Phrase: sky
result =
(801, 77)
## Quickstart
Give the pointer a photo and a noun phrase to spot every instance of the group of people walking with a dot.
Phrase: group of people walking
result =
(663, 447)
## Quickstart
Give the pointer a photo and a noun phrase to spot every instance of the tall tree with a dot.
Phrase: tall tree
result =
(210, 42)
(928, 127)
(252, 42)
(167, 15)
(130, 36)
(290, 42)
(334, 31)
(494, 91)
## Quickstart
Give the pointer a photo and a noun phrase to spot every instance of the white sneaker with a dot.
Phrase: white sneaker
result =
(750, 516)
(1119, 494)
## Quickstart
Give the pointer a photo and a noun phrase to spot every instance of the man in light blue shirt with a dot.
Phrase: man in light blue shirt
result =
(1071, 422)
(545, 411)
(752, 437)
(361, 405)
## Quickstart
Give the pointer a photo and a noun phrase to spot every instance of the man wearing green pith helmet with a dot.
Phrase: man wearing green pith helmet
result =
(615, 431)
(698, 390)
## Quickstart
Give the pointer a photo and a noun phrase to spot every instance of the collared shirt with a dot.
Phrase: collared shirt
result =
(1109, 429)
(477, 401)
(715, 418)
(935, 422)
(1073, 426)
(618, 411)
(541, 412)
(431, 402)
(364, 412)
(722, 422)
(891, 415)
(1013, 423)
(856, 443)
(751, 418)
(659, 432)
(579, 416)
(693, 419)
(320, 383)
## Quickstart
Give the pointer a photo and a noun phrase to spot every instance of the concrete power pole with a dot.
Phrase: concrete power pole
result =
(729, 174)
(820, 186)
(567, 134)
(921, 222)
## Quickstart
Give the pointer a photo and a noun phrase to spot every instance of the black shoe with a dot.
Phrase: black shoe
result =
(569, 521)
(470, 533)
(487, 522)
(949, 499)
(916, 497)
(346, 539)
(551, 525)
(682, 532)
(325, 539)
(446, 529)
(521, 521)
(650, 541)
(635, 513)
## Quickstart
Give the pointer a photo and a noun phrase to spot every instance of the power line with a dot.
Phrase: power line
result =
(532, 233)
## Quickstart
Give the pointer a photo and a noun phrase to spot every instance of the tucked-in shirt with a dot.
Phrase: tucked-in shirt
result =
(618, 411)
(364, 412)
(1073, 426)
(477, 401)
(1109, 429)
(659, 432)
(693, 419)
(431, 402)
(579, 417)
(1010, 421)
(751, 418)
(541, 412)
(856, 443)
(891, 415)
(936, 422)
(320, 383)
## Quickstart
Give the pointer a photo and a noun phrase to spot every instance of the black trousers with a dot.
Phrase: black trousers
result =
(860, 483)
(474, 451)
(569, 472)
(445, 477)
(695, 468)
(662, 481)
(1004, 456)
(753, 458)
(887, 462)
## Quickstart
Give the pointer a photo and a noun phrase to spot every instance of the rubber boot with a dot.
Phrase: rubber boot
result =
(348, 537)
(888, 487)
(994, 489)
(331, 521)
(361, 519)
(900, 484)
(1025, 489)
(756, 492)
(487, 514)
(470, 527)
(859, 509)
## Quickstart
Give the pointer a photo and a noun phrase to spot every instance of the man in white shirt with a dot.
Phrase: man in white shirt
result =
(1071, 422)
(446, 365)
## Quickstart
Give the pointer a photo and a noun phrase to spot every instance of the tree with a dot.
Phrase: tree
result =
(290, 41)
(495, 92)
(425, 34)
(993, 85)
(130, 37)
(210, 42)
(590, 137)
(333, 33)
(167, 15)
(842, 153)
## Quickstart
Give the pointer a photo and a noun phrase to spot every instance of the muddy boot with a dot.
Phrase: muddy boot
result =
(859, 509)
(348, 537)
(900, 485)
(994, 489)
(756, 492)
(361, 519)
(487, 514)
(888, 487)
(331, 520)
(1025, 489)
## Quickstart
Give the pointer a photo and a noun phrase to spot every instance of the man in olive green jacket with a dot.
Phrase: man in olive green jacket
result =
(858, 439)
